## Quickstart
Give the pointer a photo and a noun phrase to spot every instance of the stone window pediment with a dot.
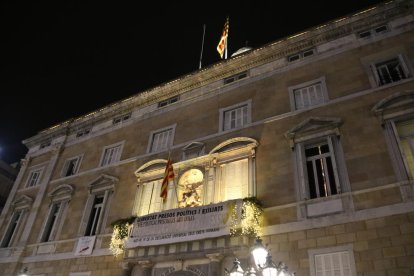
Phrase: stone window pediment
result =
(102, 183)
(397, 104)
(23, 202)
(313, 127)
(61, 192)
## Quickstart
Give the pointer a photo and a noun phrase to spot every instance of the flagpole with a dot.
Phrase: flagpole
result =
(228, 29)
(202, 45)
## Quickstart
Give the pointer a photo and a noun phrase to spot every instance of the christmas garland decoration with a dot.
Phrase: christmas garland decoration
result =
(120, 234)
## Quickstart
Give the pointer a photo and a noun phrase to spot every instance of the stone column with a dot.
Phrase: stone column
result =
(215, 259)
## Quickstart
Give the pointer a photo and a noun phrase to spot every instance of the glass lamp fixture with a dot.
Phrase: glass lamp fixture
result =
(259, 253)
(23, 272)
(236, 270)
(271, 269)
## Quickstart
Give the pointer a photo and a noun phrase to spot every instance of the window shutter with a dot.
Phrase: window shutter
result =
(235, 179)
(144, 207)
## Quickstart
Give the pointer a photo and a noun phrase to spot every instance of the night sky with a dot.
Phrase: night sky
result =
(63, 59)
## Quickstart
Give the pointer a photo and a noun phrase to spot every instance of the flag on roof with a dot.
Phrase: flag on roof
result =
(222, 46)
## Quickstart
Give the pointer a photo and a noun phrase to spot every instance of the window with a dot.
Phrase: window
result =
(51, 223)
(234, 179)
(151, 201)
(15, 226)
(83, 132)
(235, 116)
(397, 117)
(372, 32)
(193, 150)
(12, 228)
(111, 154)
(320, 169)
(168, 101)
(332, 261)
(97, 205)
(121, 118)
(235, 78)
(34, 178)
(322, 178)
(60, 197)
(95, 216)
(71, 166)
(392, 70)
(162, 139)
(226, 173)
(308, 94)
(301, 55)
(45, 144)
(405, 130)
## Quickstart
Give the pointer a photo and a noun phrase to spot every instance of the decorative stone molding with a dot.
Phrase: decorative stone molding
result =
(215, 257)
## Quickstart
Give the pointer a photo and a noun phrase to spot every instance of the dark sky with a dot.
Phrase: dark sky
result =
(63, 59)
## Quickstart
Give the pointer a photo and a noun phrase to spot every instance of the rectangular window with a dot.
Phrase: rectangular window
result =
(301, 55)
(12, 229)
(71, 166)
(336, 263)
(52, 222)
(389, 71)
(95, 216)
(372, 32)
(121, 118)
(111, 154)
(151, 201)
(321, 173)
(234, 179)
(161, 140)
(168, 101)
(235, 78)
(34, 178)
(405, 130)
(235, 118)
(83, 132)
(45, 144)
(308, 96)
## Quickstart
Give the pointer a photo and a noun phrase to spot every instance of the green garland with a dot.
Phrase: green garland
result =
(120, 234)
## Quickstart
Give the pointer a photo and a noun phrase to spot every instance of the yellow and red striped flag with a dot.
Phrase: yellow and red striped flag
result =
(168, 176)
(222, 46)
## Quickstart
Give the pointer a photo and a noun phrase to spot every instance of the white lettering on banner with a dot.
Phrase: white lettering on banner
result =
(179, 225)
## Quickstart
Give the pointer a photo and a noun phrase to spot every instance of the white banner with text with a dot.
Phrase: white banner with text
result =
(183, 224)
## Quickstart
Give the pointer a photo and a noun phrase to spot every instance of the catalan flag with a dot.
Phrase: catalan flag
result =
(222, 46)
(168, 176)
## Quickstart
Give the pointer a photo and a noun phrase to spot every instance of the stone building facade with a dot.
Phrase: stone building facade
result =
(318, 126)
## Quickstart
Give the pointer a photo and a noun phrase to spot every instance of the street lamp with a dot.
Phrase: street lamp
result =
(263, 262)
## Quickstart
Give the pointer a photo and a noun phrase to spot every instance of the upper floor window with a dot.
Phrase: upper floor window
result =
(45, 144)
(390, 70)
(34, 178)
(226, 173)
(235, 116)
(83, 132)
(15, 225)
(308, 94)
(234, 78)
(122, 118)
(193, 150)
(397, 117)
(71, 166)
(168, 101)
(161, 139)
(372, 32)
(60, 197)
(301, 55)
(111, 154)
(97, 206)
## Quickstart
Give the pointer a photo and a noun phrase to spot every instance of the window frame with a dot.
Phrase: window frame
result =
(378, 59)
(168, 101)
(301, 55)
(65, 168)
(103, 186)
(53, 221)
(115, 159)
(170, 140)
(324, 91)
(30, 177)
(121, 118)
(223, 111)
(348, 248)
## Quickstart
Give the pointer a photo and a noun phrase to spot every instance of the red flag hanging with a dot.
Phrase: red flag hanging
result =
(222, 46)
(168, 176)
